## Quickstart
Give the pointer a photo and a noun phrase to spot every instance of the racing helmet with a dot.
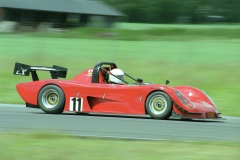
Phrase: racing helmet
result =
(117, 73)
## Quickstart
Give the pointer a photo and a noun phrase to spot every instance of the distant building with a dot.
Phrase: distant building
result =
(56, 13)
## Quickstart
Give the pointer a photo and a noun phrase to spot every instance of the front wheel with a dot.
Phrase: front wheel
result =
(51, 99)
(159, 105)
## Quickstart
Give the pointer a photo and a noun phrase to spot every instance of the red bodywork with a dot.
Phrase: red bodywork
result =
(188, 102)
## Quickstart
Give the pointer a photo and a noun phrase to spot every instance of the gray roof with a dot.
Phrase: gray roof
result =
(68, 6)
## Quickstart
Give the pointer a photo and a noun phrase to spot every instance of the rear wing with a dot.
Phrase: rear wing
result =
(25, 70)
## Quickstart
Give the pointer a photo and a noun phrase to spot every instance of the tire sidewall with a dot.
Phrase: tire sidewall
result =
(167, 113)
(56, 109)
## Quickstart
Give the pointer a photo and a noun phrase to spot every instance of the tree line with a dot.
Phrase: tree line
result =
(178, 11)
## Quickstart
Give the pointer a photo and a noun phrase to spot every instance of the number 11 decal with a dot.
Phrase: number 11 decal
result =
(76, 104)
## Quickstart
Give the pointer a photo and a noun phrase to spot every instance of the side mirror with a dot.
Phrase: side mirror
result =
(139, 80)
(167, 81)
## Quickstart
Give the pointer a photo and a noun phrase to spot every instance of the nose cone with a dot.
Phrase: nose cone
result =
(207, 110)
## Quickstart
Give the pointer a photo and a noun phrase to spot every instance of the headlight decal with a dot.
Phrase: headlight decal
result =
(184, 99)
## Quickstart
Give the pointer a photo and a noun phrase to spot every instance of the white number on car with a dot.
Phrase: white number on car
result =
(76, 104)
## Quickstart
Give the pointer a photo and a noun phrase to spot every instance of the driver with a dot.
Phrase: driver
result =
(117, 73)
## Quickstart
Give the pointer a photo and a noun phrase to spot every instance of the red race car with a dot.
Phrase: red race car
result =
(104, 89)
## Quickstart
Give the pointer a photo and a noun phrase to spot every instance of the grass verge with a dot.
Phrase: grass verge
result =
(140, 32)
(148, 34)
(51, 146)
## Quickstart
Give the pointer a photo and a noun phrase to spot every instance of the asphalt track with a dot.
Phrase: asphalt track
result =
(18, 118)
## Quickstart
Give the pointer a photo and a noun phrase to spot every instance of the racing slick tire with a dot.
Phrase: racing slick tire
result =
(51, 99)
(159, 105)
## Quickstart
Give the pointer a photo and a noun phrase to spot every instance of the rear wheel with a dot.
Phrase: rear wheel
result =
(159, 105)
(51, 99)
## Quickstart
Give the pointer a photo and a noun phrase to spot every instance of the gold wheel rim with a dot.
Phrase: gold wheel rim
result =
(158, 104)
(50, 98)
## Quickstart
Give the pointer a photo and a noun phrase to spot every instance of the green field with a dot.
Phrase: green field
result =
(51, 146)
(204, 56)
(200, 56)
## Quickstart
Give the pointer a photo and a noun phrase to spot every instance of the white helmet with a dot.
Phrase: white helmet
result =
(117, 73)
